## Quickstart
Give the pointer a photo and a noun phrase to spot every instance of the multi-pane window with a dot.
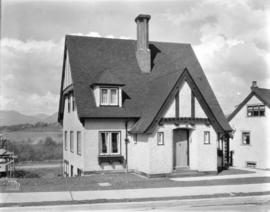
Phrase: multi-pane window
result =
(255, 110)
(246, 138)
(160, 138)
(109, 96)
(206, 137)
(109, 143)
(65, 140)
(71, 141)
(79, 143)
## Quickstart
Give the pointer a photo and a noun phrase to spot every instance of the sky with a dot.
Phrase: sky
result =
(230, 39)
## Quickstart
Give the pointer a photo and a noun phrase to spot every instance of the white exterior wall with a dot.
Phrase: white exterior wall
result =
(67, 78)
(91, 150)
(259, 148)
(185, 101)
(203, 157)
(138, 154)
(72, 123)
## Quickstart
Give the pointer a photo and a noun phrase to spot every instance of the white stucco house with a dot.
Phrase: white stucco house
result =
(250, 122)
(141, 106)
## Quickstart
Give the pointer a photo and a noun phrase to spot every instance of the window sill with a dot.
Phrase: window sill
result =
(110, 159)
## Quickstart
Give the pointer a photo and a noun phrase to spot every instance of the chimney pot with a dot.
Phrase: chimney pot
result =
(254, 84)
(143, 54)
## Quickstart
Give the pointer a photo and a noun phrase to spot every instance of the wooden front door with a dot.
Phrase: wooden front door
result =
(181, 148)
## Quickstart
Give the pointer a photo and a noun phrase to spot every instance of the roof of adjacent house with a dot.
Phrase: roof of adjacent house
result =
(261, 93)
(113, 61)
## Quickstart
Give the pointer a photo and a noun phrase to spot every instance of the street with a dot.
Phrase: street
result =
(248, 204)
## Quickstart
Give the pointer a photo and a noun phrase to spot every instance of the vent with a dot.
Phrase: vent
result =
(251, 164)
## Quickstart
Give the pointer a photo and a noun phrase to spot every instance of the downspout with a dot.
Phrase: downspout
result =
(126, 144)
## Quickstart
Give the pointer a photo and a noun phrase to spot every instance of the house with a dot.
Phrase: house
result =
(138, 106)
(7, 159)
(250, 122)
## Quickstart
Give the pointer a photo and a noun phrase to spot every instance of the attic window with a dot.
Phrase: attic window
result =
(255, 110)
(109, 96)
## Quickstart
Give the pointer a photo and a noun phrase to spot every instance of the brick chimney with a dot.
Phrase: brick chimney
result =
(143, 53)
(254, 84)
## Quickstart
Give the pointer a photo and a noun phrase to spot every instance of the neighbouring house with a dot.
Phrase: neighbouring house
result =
(140, 106)
(7, 159)
(250, 122)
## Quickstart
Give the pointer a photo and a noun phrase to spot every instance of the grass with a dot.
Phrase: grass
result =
(33, 136)
(48, 182)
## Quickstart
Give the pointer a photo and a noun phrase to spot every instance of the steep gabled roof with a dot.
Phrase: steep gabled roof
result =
(108, 78)
(261, 93)
(91, 59)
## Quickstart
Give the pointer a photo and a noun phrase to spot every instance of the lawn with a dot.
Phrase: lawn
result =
(115, 181)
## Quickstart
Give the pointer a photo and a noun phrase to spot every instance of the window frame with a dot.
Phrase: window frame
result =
(68, 97)
(252, 110)
(65, 140)
(109, 97)
(71, 141)
(109, 143)
(205, 141)
(135, 138)
(160, 142)
(79, 150)
(242, 138)
(73, 103)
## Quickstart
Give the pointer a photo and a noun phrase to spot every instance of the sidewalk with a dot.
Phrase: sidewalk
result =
(257, 173)
(190, 188)
(132, 194)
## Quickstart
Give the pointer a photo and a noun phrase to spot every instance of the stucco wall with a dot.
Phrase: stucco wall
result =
(138, 155)
(259, 148)
(91, 150)
(72, 123)
(203, 157)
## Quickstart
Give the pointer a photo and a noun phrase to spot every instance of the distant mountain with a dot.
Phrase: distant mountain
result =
(41, 116)
(11, 117)
(51, 119)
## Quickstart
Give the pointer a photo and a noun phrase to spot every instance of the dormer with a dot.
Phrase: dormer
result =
(108, 90)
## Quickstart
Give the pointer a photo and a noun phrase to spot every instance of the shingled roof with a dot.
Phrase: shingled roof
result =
(261, 93)
(144, 93)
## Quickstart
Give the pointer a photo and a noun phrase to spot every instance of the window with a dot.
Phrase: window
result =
(79, 143)
(79, 172)
(160, 138)
(135, 137)
(71, 170)
(73, 103)
(66, 166)
(255, 110)
(69, 104)
(109, 96)
(71, 141)
(65, 140)
(109, 143)
(206, 137)
(246, 138)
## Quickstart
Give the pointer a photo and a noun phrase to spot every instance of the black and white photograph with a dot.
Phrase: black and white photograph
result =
(134, 105)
